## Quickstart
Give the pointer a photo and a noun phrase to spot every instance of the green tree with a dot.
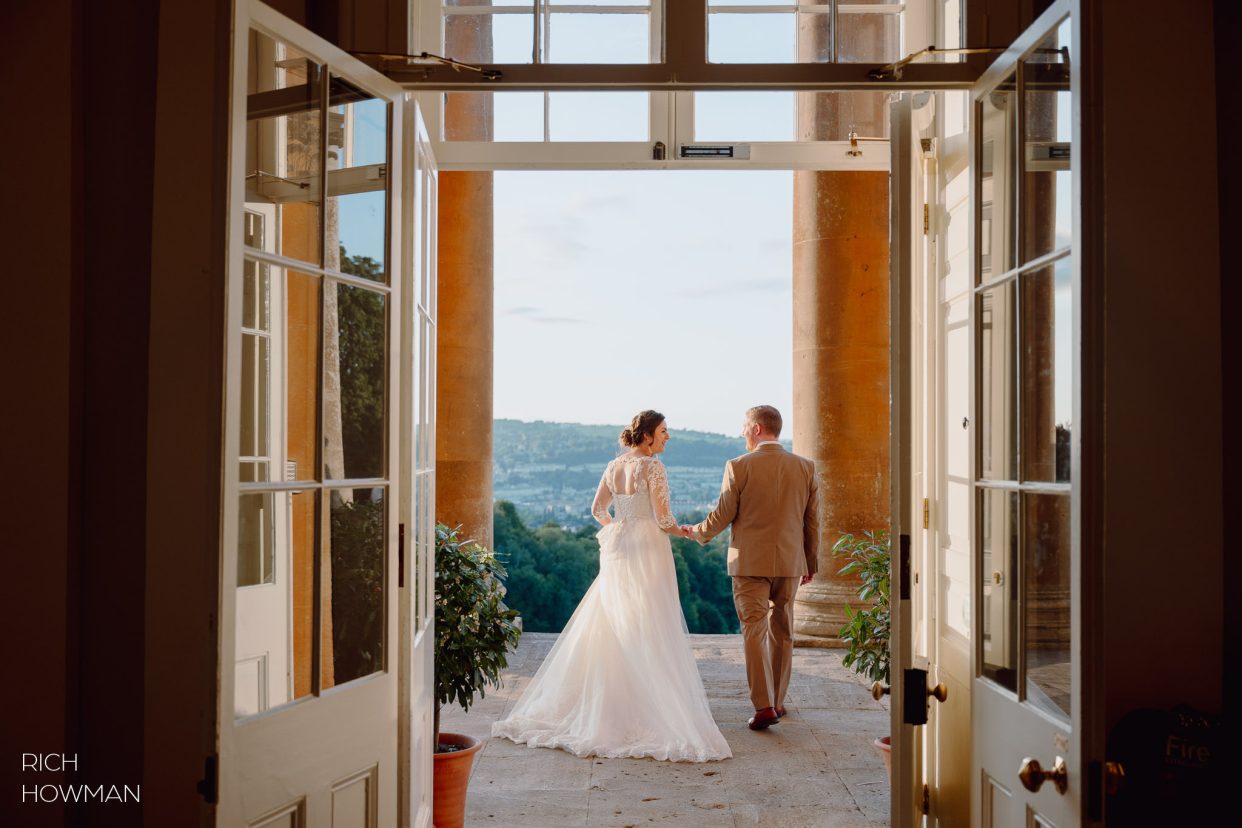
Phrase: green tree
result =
(551, 568)
(362, 324)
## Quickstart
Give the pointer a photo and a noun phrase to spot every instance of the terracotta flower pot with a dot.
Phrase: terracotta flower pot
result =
(884, 745)
(451, 775)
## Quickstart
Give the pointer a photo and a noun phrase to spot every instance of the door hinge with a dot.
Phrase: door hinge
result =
(209, 786)
(400, 555)
(926, 799)
(926, 513)
(926, 219)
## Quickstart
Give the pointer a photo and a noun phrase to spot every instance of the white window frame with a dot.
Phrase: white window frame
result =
(671, 108)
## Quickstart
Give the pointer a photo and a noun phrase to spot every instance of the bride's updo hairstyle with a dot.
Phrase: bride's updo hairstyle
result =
(643, 425)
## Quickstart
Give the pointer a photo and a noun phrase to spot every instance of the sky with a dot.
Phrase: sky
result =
(621, 291)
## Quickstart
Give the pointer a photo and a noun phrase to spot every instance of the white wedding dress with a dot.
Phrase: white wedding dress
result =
(621, 680)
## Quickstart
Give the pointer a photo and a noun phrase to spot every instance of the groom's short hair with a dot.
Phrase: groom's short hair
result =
(768, 418)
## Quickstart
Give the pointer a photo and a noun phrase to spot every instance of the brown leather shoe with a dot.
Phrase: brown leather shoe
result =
(763, 719)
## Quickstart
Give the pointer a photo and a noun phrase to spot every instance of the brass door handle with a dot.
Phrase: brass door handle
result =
(939, 692)
(1033, 775)
(1114, 777)
(879, 691)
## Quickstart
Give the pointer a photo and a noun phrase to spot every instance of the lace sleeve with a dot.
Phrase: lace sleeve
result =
(603, 499)
(657, 488)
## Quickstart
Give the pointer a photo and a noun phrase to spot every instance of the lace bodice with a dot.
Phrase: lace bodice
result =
(636, 488)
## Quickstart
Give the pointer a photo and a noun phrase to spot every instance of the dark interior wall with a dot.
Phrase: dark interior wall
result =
(354, 25)
(1152, 263)
(41, 167)
(119, 50)
(79, 219)
(1228, 24)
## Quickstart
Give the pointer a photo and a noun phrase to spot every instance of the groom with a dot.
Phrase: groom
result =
(768, 497)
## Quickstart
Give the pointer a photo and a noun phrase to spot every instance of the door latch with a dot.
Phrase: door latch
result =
(915, 696)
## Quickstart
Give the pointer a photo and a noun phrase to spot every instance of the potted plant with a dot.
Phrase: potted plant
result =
(475, 632)
(866, 631)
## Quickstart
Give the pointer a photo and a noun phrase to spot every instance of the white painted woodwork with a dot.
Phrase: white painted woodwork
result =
(1006, 727)
(417, 471)
(350, 755)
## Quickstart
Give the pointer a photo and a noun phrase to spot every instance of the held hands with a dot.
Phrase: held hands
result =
(686, 531)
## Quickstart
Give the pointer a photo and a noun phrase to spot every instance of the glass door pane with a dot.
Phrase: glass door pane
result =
(998, 174)
(1046, 549)
(284, 146)
(1047, 190)
(998, 546)
(357, 210)
(1047, 371)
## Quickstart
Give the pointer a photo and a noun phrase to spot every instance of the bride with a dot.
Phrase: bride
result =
(621, 680)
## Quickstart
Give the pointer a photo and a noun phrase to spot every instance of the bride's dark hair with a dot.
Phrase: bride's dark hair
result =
(644, 423)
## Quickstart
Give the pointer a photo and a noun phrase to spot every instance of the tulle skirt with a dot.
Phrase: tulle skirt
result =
(621, 680)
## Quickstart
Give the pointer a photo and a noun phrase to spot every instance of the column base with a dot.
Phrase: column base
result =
(819, 612)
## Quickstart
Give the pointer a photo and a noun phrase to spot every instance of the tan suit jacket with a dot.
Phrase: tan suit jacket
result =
(769, 497)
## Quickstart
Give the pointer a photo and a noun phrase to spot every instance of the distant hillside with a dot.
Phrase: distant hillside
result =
(541, 442)
(550, 470)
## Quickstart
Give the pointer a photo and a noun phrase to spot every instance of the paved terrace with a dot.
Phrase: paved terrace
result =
(815, 768)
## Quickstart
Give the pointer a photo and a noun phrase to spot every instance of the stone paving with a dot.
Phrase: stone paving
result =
(816, 768)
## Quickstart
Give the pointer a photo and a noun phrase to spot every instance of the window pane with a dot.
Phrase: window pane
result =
(1047, 372)
(997, 182)
(414, 542)
(256, 539)
(468, 116)
(493, 116)
(353, 588)
(598, 116)
(832, 116)
(998, 388)
(275, 562)
(357, 225)
(1047, 568)
(426, 397)
(744, 116)
(751, 38)
(598, 38)
(303, 306)
(814, 37)
(868, 38)
(357, 210)
(1047, 215)
(256, 290)
(999, 569)
(256, 378)
(490, 38)
(355, 419)
(283, 147)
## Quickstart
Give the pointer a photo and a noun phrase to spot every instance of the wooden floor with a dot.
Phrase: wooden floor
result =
(815, 768)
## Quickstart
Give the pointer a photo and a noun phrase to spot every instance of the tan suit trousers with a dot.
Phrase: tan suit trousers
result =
(765, 608)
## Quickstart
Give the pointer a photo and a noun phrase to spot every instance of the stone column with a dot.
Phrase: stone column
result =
(465, 324)
(840, 374)
(840, 334)
(464, 363)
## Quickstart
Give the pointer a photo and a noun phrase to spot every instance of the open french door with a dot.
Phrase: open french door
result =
(325, 655)
(987, 589)
(1027, 693)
